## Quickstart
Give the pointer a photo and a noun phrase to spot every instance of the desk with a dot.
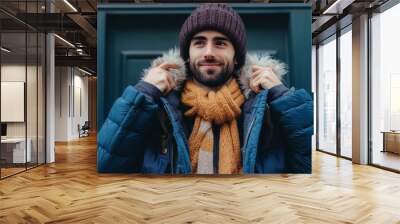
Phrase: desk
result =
(391, 141)
(13, 150)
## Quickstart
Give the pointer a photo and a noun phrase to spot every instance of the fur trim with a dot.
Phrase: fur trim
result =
(171, 57)
(264, 60)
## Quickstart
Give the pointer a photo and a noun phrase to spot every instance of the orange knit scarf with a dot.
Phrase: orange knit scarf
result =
(220, 107)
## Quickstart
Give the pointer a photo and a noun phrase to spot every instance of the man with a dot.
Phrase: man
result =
(213, 109)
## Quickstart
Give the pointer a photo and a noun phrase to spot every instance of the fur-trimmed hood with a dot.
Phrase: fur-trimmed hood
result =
(264, 60)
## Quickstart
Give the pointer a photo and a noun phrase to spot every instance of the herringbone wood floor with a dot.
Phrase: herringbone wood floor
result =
(70, 191)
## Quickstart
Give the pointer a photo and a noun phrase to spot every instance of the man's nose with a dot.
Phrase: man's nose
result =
(209, 51)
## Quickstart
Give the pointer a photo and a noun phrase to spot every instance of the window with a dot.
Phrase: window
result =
(327, 95)
(385, 87)
(346, 92)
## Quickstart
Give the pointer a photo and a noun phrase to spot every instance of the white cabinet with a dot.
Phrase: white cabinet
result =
(16, 147)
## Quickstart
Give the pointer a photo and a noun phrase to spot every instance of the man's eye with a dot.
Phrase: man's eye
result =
(198, 43)
(220, 43)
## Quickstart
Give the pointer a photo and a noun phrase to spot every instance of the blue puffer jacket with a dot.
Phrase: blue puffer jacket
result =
(143, 135)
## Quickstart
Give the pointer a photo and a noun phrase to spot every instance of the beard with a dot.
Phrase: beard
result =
(212, 77)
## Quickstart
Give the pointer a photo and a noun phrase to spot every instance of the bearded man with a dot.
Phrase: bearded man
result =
(210, 108)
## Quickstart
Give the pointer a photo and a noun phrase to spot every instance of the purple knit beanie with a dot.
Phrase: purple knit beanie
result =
(218, 17)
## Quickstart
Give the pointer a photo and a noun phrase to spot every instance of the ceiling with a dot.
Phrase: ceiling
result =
(76, 22)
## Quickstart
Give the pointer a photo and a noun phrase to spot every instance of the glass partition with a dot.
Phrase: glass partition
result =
(13, 108)
(346, 93)
(327, 95)
(22, 88)
(385, 89)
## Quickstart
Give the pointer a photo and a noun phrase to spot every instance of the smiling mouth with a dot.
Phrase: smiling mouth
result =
(209, 64)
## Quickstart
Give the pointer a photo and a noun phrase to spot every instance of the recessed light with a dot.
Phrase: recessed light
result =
(64, 40)
(70, 5)
(84, 71)
(5, 50)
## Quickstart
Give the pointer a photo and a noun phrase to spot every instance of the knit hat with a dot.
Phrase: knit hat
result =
(218, 17)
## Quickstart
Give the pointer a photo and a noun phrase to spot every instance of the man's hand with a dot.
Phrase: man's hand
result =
(161, 78)
(263, 78)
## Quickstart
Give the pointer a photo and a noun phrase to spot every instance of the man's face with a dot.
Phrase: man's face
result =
(211, 58)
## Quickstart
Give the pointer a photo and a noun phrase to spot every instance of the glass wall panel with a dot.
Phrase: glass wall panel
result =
(31, 84)
(22, 88)
(346, 93)
(385, 85)
(41, 98)
(327, 95)
(31, 98)
(13, 87)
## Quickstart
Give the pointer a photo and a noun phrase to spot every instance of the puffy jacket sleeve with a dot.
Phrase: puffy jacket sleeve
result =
(294, 114)
(122, 137)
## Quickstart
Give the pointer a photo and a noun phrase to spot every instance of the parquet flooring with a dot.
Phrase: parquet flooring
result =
(71, 191)
(10, 171)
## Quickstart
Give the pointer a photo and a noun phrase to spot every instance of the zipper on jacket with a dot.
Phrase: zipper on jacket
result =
(186, 157)
(252, 124)
(166, 145)
(251, 127)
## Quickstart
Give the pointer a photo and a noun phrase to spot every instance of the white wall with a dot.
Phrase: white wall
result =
(33, 126)
(71, 94)
(61, 103)
(13, 73)
(80, 110)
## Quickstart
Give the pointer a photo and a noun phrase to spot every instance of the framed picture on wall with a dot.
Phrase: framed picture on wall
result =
(12, 101)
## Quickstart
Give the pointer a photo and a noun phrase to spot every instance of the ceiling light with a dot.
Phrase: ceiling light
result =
(70, 5)
(333, 6)
(5, 50)
(84, 71)
(65, 41)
